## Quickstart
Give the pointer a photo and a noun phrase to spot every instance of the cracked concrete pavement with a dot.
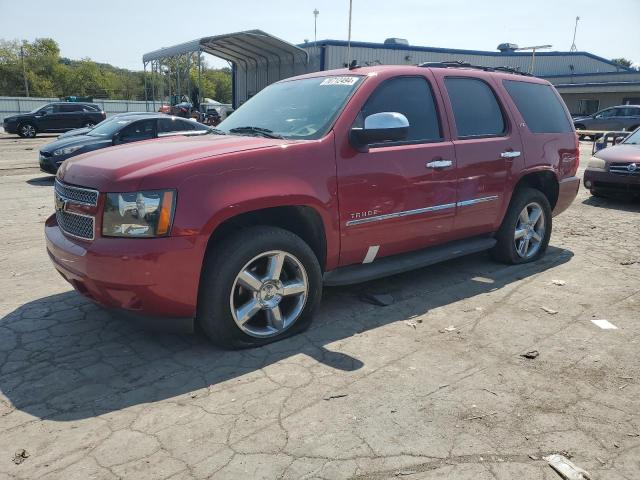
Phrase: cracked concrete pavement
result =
(368, 392)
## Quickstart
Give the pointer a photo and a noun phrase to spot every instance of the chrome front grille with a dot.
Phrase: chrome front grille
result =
(84, 196)
(625, 168)
(76, 225)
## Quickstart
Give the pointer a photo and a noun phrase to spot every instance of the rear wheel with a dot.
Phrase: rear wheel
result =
(260, 285)
(526, 229)
(27, 130)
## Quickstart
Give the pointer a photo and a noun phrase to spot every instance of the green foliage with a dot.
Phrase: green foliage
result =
(50, 75)
(622, 61)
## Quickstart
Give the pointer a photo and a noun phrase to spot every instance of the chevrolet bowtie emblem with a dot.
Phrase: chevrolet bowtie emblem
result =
(61, 203)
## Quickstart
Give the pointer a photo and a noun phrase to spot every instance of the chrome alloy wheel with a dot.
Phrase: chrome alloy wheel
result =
(269, 294)
(28, 131)
(530, 230)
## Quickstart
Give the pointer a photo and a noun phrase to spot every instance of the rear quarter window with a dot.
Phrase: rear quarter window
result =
(540, 107)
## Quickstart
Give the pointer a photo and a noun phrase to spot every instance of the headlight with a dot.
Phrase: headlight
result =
(67, 150)
(138, 214)
(595, 162)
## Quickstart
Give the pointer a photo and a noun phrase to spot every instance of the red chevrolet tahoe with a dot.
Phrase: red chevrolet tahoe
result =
(330, 178)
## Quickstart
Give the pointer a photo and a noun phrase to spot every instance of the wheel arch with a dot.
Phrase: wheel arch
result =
(303, 220)
(544, 180)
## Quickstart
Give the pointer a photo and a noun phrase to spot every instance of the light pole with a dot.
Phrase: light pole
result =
(573, 44)
(24, 70)
(315, 25)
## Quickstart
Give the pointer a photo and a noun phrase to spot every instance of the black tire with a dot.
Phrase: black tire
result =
(579, 126)
(505, 250)
(223, 265)
(595, 193)
(27, 130)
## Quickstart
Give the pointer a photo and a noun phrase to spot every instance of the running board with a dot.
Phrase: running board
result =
(405, 262)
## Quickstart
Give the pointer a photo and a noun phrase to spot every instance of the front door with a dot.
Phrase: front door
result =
(398, 196)
(48, 117)
(487, 144)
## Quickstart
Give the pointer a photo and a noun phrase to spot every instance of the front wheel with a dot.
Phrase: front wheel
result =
(526, 229)
(259, 285)
(26, 130)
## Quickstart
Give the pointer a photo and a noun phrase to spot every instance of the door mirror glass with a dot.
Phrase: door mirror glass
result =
(379, 128)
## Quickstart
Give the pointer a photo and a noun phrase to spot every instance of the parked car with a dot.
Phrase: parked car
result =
(123, 129)
(333, 178)
(615, 169)
(84, 130)
(623, 117)
(54, 117)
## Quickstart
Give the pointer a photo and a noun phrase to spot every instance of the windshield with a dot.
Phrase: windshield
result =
(107, 128)
(634, 138)
(297, 109)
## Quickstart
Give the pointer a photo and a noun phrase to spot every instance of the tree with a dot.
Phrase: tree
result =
(623, 61)
(49, 75)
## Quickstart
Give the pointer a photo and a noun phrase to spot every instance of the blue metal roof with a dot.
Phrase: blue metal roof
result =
(597, 84)
(343, 43)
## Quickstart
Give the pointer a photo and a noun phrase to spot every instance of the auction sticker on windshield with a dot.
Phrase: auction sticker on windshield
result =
(348, 81)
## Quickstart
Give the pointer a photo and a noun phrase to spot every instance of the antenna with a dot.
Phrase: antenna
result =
(575, 29)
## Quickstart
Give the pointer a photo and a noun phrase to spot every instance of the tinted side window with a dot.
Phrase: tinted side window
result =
(166, 125)
(66, 108)
(141, 130)
(475, 108)
(539, 106)
(412, 97)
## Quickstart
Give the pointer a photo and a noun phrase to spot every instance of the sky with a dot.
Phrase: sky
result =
(120, 31)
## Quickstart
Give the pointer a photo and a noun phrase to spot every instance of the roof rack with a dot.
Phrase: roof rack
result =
(459, 64)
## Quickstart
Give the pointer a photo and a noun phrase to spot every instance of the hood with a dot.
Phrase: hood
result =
(127, 165)
(11, 118)
(75, 132)
(74, 140)
(620, 153)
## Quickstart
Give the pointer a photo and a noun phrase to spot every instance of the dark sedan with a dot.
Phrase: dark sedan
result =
(84, 130)
(124, 129)
(615, 169)
(54, 117)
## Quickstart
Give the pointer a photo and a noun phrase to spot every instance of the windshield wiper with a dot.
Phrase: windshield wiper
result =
(216, 131)
(265, 132)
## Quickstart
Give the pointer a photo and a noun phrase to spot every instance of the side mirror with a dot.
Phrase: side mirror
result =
(378, 128)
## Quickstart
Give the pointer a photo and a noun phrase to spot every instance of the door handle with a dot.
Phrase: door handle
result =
(439, 164)
(510, 154)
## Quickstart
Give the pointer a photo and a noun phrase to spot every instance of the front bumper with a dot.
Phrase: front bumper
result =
(10, 127)
(50, 164)
(567, 192)
(607, 182)
(156, 276)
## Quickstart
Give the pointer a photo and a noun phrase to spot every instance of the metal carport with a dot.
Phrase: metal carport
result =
(257, 58)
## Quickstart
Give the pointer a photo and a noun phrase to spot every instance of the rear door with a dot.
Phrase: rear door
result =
(71, 116)
(487, 144)
(391, 198)
(137, 131)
